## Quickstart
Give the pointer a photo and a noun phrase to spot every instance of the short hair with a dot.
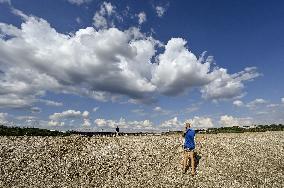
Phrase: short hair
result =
(188, 125)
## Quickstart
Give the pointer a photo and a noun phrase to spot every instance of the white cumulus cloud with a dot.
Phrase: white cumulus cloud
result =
(33, 64)
(256, 103)
(201, 122)
(60, 118)
(157, 109)
(100, 21)
(238, 103)
(229, 121)
(122, 123)
(173, 124)
(79, 2)
(50, 103)
(160, 11)
(85, 114)
(56, 123)
(178, 69)
(96, 109)
(224, 85)
(103, 64)
(65, 114)
(141, 17)
(102, 18)
(86, 122)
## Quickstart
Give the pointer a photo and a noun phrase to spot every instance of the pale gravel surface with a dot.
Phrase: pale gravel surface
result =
(226, 160)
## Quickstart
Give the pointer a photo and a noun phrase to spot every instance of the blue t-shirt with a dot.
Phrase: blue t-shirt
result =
(189, 139)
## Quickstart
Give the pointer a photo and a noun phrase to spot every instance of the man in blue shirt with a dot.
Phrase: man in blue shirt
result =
(189, 146)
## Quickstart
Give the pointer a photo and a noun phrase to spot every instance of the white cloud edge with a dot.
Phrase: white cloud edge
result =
(79, 2)
(142, 17)
(160, 11)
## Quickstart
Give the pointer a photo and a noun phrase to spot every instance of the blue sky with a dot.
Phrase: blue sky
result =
(140, 65)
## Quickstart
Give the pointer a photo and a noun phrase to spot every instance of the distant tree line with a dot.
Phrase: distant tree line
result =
(26, 131)
(22, 131)
(237, 129)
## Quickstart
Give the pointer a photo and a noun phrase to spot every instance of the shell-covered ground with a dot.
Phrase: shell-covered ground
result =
(224, 160)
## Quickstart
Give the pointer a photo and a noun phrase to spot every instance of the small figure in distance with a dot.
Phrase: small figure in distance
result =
(188, 148)
(117, 131)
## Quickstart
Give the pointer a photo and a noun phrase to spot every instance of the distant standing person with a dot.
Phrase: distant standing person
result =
(189, 146)
(117, 131)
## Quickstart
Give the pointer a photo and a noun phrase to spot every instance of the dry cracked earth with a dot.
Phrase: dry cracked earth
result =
(224, 160)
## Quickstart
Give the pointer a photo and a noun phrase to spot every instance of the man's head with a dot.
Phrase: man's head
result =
(187, 125)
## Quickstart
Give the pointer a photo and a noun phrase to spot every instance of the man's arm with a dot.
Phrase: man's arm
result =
(184, 132)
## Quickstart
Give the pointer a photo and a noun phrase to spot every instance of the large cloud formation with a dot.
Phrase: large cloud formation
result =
(103, 63)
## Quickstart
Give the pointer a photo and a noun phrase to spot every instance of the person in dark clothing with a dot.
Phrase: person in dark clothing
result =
(117, 130)
(189, 146)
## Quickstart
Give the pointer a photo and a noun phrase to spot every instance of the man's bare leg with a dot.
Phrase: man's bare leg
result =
(192, 163)
(188, 160)
(185, 161)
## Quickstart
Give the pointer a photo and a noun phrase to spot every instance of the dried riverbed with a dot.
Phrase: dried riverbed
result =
(224, 160)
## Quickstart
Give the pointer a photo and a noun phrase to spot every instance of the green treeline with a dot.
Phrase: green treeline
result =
(236, 129)
(22, 131)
